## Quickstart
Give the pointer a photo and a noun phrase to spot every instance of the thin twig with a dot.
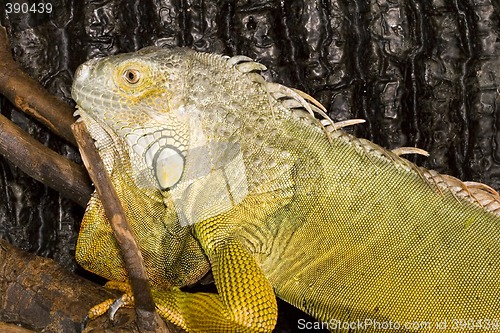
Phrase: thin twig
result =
(147, 319)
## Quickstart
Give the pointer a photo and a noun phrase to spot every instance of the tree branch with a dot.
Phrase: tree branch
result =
(37, 293)
(44, 164)
(10, 328)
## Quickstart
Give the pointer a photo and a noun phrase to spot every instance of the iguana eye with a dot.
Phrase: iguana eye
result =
(132, 76)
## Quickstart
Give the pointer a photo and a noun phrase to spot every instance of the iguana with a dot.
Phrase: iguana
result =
(219, 169)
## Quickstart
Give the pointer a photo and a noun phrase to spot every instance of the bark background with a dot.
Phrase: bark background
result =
(422, 73)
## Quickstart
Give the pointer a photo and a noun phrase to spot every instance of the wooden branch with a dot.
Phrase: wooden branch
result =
(147, 318)
(37, 293)
(30, 97)
(44, 164)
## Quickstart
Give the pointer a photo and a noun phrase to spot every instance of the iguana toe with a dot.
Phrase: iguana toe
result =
(125, 301)
(112, 305)
(99, 309)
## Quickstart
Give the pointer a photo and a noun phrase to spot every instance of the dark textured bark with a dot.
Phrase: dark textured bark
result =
(38, 294)
(29, 96)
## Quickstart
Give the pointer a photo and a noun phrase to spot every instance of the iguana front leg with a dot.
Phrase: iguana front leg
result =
(245, 301)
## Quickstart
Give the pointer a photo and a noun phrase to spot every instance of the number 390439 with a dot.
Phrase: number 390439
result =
(26, 8)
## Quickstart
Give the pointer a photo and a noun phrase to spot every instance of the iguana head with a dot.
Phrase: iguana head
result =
(137, 97)
(132, 88)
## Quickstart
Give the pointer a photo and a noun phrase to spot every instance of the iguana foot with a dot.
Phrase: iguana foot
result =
(113, 305)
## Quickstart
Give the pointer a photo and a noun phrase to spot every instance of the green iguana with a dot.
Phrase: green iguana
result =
(218, 169)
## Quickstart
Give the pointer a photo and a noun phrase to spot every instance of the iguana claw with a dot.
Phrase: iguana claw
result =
(84, 323)
(126, 300)
(117, 304)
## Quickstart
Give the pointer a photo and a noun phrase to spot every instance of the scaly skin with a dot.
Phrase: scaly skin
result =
(218, 169)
